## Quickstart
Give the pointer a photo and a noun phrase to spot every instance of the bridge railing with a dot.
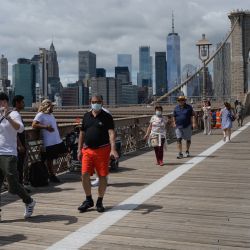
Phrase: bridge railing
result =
(129, 131)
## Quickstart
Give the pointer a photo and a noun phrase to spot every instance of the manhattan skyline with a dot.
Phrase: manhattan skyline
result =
(108, 28)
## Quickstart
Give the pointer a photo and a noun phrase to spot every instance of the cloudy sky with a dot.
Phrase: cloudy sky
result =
(108, 27)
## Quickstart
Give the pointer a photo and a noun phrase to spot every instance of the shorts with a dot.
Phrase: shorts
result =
(184, 133)
(54, 151)
(96, 159)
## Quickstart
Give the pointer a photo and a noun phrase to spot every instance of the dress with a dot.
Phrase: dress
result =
(226, 121)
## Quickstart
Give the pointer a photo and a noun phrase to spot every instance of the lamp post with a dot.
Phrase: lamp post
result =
(203, 48)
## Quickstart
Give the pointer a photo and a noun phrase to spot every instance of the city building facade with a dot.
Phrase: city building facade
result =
(86, 65)
(145, 74)
(173, 59)
(160, 73)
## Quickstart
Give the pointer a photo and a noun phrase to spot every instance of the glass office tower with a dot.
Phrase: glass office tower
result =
(144, 77)
(173, 59)
(125, 60)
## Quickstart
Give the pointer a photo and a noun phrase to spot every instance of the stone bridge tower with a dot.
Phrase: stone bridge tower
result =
(240, 53)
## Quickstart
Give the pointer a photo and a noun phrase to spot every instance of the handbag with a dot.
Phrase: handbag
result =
(154, 141)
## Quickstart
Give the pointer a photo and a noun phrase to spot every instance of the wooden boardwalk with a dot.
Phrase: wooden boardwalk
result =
(207, 207)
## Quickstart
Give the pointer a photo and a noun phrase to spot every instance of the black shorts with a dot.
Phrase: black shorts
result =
(54, 151)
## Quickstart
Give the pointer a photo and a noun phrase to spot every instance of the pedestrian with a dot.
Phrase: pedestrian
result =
(54, 146)
(95, 183)
(10, 125)
(227, 118)
(184, 121)
(206, 109)
(95, 147)
(157, 131)
(18, 105)
(239, 109)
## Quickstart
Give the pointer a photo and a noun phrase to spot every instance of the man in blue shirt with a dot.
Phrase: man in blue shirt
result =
(184, 121)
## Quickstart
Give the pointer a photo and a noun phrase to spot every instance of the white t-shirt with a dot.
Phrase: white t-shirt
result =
(49, 138)
(8, 135)
(158, 124)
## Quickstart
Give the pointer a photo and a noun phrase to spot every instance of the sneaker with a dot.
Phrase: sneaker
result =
(85, 206)
(100, 208)
(161, 163)
(29, 208)
(187, 154)
(179, 156)
(53, 178)
(95, 183)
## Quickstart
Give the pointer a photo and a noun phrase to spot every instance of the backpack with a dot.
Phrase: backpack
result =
(38, 174)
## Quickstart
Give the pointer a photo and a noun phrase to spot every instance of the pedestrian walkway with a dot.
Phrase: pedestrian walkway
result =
(202, 202)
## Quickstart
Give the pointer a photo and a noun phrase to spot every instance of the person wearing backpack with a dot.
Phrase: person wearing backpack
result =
(10, 125)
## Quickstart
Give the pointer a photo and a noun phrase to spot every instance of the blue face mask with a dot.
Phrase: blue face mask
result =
(96, 106)
(158, 113)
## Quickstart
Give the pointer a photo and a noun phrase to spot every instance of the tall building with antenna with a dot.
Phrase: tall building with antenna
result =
(173, 58)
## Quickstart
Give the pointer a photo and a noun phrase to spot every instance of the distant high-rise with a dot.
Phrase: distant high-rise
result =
(100, 72)
(23, 78)
(193, 88)
(125, 60)
(54, 84)
(3, 68)
(144, 76)
(222, 72)
(122, 73)
(87, 65)
(43, 83)
(108, 87)
(160, 73)
(53, 69)
(173, 58)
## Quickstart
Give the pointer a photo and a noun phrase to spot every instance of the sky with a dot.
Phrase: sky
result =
(109, 27)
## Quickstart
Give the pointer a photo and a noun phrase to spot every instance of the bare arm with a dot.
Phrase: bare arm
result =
(194, 124)
(148, 131)
(38, 125)
(112, 143)
(14, 124)
(80, 145)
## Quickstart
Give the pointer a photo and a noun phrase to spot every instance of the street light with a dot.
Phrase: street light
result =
(203, 47)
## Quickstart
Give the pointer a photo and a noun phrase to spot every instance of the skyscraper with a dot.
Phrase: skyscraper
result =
(87, 65)
(54, 84)
(144, 76)
(23, 78)
(122, 73)
(3, 68)
(125, 60)
(53, 69)
(160, 73)
(173, 58)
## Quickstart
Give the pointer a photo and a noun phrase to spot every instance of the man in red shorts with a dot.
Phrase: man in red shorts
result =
(96, 145)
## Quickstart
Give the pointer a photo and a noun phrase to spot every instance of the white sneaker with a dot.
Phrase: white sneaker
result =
(29, 208)
(95, 183)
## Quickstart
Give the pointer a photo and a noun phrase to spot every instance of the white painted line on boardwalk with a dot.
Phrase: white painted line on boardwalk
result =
(88, 232)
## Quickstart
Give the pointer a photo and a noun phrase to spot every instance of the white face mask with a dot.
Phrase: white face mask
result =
(96, 106)
(158, 113)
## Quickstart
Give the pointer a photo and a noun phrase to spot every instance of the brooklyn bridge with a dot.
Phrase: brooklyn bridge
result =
(201, 202)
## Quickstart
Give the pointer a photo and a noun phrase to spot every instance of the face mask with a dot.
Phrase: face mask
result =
(158, 113)
(96, 106)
